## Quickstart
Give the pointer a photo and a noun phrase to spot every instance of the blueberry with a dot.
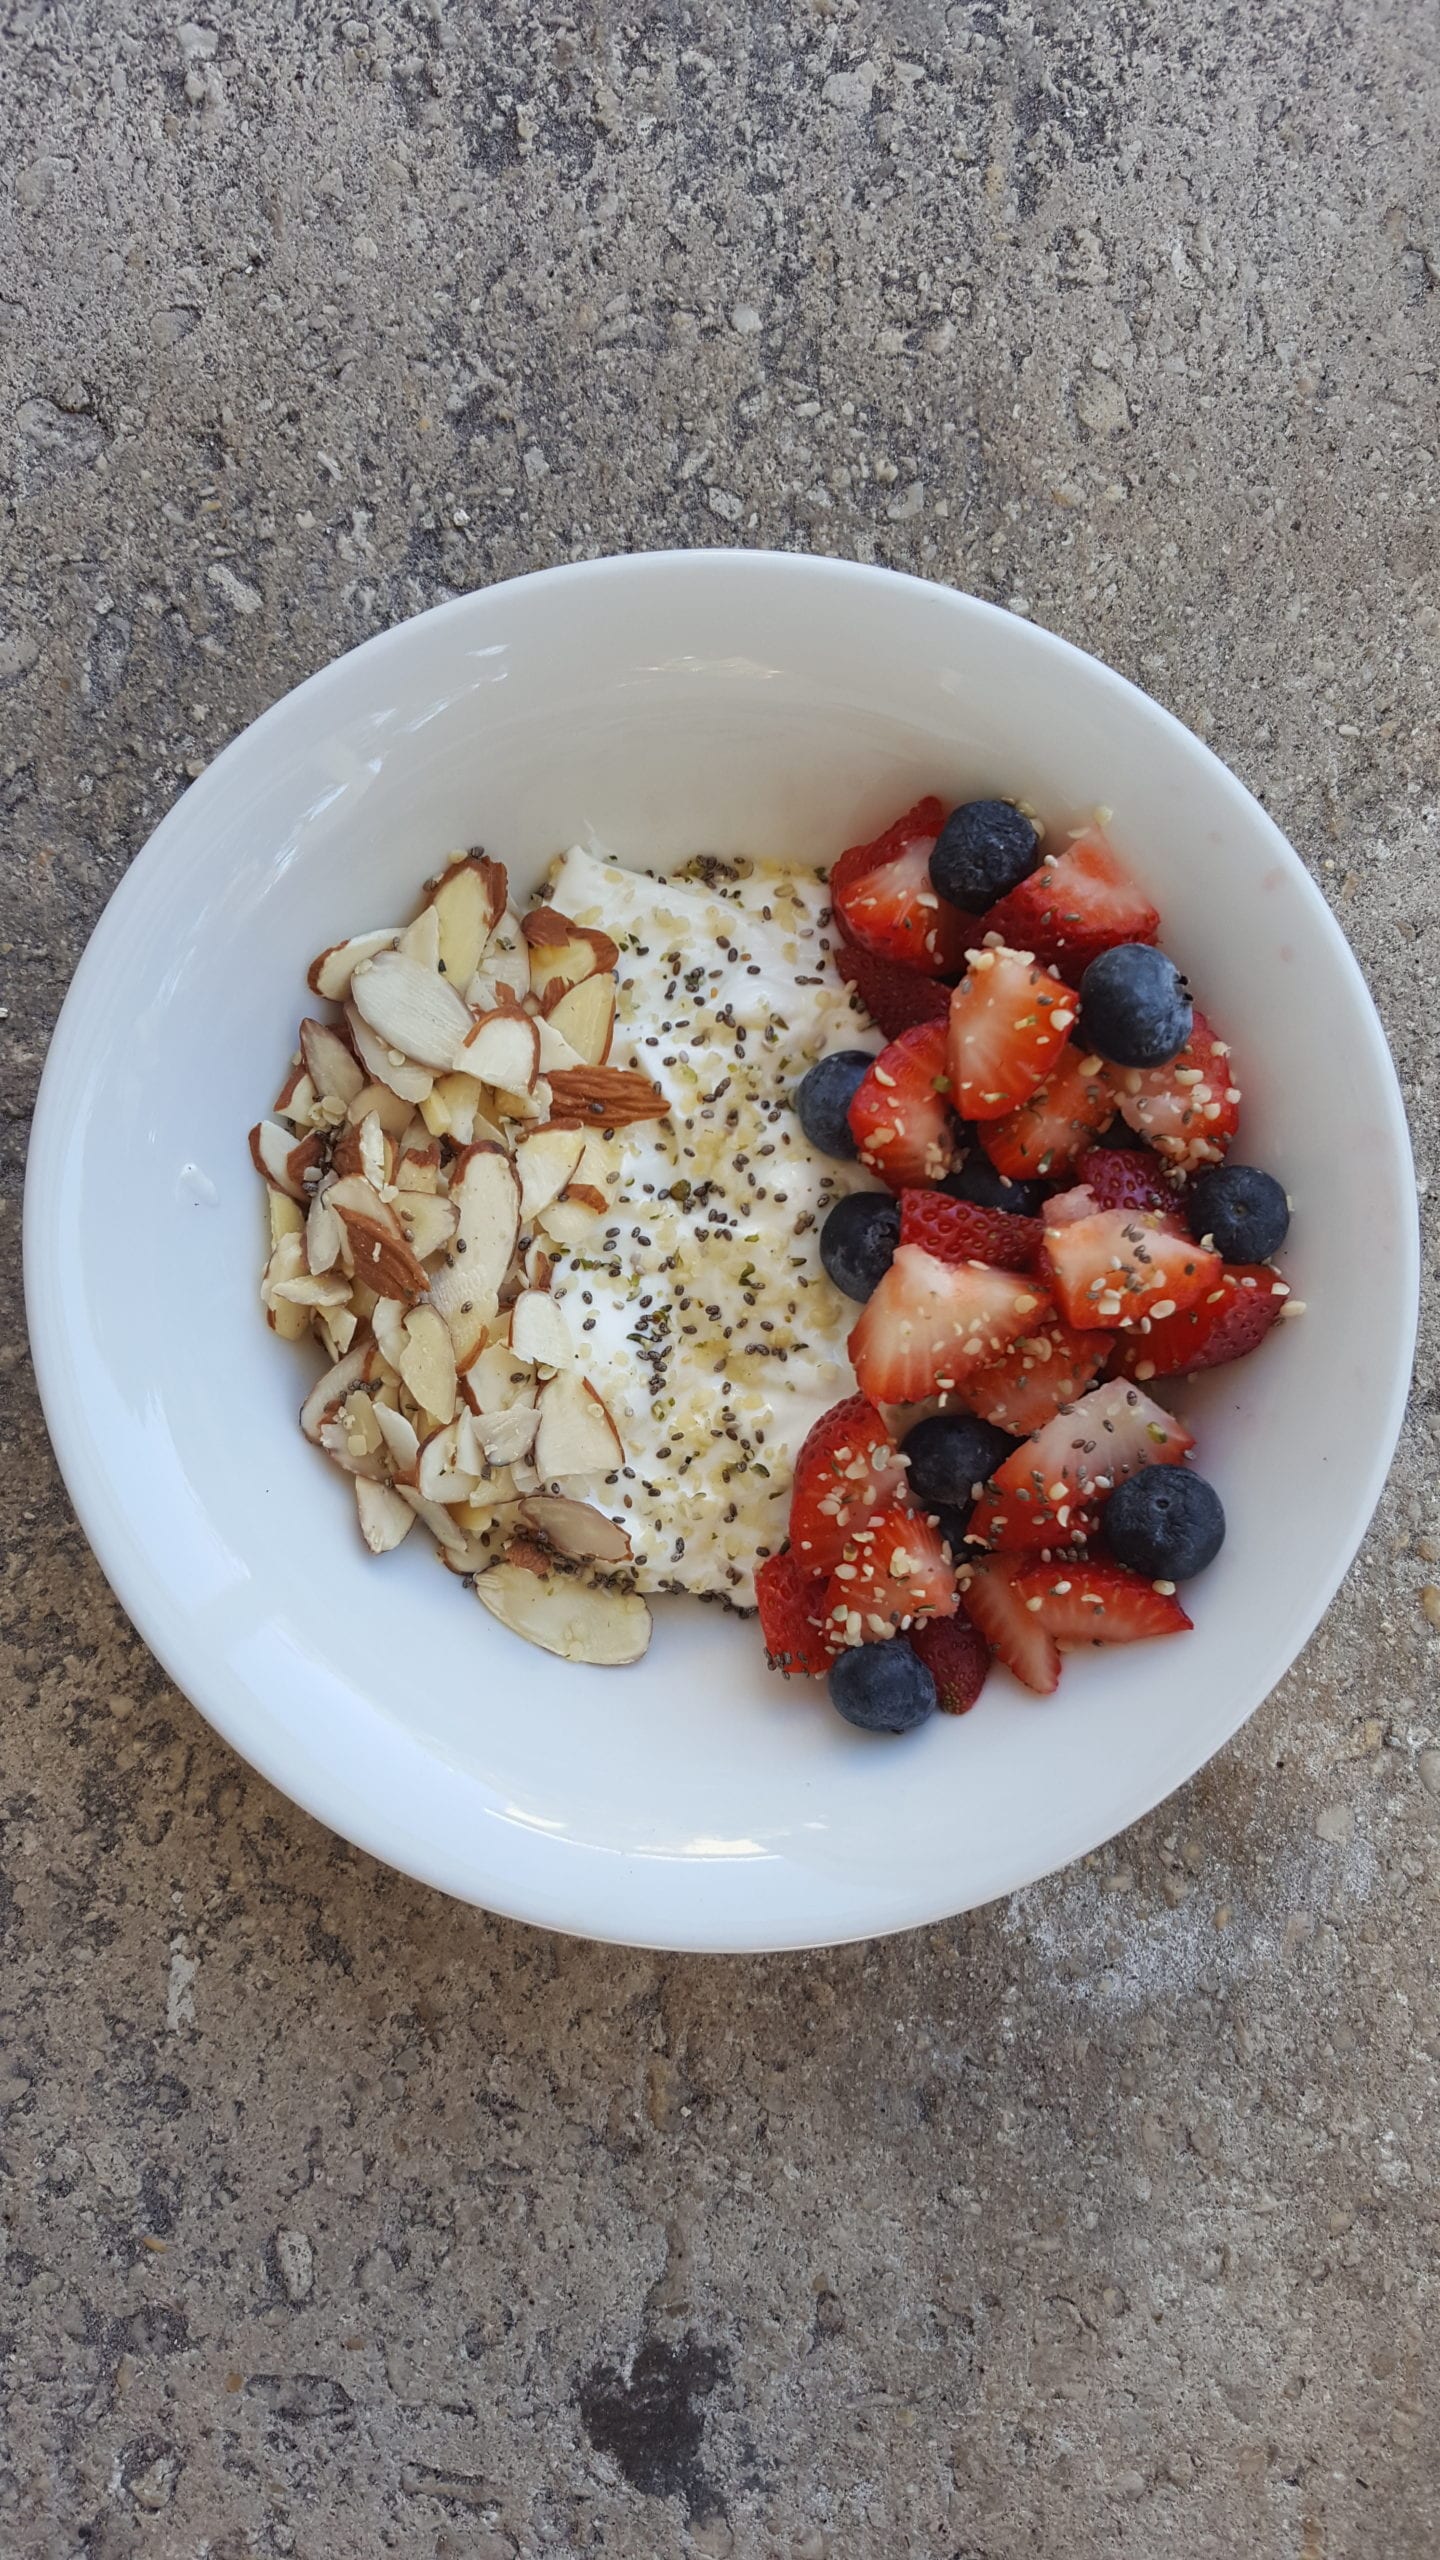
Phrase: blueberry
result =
(1165, 1523)
(1118, 1133)
(950, 1454)
(1242, 1210)
(983, 850)
(978, 1181)
(1133, 1007)
(952, 1525)
(858, 1240)
(824, 1096)
(884, 1688)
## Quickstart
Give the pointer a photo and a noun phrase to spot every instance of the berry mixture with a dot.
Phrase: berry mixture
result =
(1058, 1226)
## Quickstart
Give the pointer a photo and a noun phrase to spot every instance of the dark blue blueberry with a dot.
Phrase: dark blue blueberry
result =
(1120, 1134)
(1133, 1007)
(978, 1180)
(952, 1525)
(950, 1454)
(884, 1688)
(1242, 1211)
(858, 1240)
(983, 851)
(823, 1098)
(1165, 1523)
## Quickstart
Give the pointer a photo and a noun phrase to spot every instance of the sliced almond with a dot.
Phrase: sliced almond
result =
(388, 1321)
(330, 1061)
(382, 1258)
(486, 1194)
(440, 1478)
(607, 1097)
(354, 1195)
(282, 1314)
(377, 1153)
(497, 1380)
(417, 1166)
(585, 1017)
(296, 1098)
(413, 1010)
(555, 1049)
(428, 1222)
(401, 1439)
(351, 1437)
(287, 1217)
(336, 1328)
(467, 901)
(505, 1438)
(539, 1332)
(331, 973)
(565, 1616)
(282, 1158)
(546, 1159)
(384, 1518)
(420, 941)
(312, 1289)
(386, 1065)
(502, 1048)
(536, 1264)
(457, 1109)
(576, 1529)
(364, 1300)
(534, 1105)
(427, 1363)
(391, 1109)
(446, 1532)
(569, 1220)
(507, 958)
(576, 1435)
(324, 1235)
(563, 953)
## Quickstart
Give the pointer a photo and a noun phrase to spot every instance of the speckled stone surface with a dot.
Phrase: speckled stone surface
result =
(341, 2221)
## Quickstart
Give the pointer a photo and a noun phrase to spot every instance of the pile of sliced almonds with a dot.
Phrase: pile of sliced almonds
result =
(433, 1149)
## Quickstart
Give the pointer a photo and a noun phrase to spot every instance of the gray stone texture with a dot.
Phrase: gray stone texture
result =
(342, 2221)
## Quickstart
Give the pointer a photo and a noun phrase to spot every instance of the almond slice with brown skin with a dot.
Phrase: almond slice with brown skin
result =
(562, 951)
(507, 957)
(296, 1098)
(546, 1159)
(468, 900)
(571, 1219)
(384, 1518)
(388, 1321)
(391, 1109)
(420, 941)
(382, 1258)
(330, 1062)
(412, 1009)
(329, 1392)
(385, 1065)
(584, 1016)
(539, 1332)
(497, 1380)
(354, 1195)
(486, 1194)
(501, 1049)
(576, 1529)
(428, 1222)
(427, 1363)
(417, 1165)
(284, 1159)
(440, 1477)
(331, 973)
(401, 1439)
(563, 1615)
(312, 1289)
(607, 1097)
(576, 1435)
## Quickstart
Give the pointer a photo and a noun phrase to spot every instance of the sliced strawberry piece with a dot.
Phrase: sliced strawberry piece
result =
(1098, 1604)
(960, 1231)
(1122, 1266)
(894, 997)
(791, 1606)
(930, 1323)
(884, 900)
(896, 1572)
(1189, 1109)
(1008, 1022)
(1089, 1448)
(1125, 1178)
(993, 1604)
(1222, 1326)
(1081, 901)
(1044, 1370)
(1010, 1527)
(848, 1471)
(900, 1118)
(957, 1658)
(1040, 1141)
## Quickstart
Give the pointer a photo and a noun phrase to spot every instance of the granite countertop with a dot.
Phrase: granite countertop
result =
(342, 2221)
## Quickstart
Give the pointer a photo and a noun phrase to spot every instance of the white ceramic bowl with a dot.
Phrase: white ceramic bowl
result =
(660, 706)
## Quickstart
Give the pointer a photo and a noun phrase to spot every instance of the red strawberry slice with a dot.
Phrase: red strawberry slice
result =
(957, 1658)
(1040, 1141)
(900, 1118)
(1189, 1109)
(1122, 1266)
(896, 1572)
(930, 1323)
(1010, 1527)
(959, 1231)
(1080, 901)
(1098, 1604)
(886, 903)
(992, 1602)
(1125, 1178)
(1008, 1022)
(791, 1603)
(1044, 1370)
(894, 997)
(1089, 1448)
(848, 1471)
(1222, 1326)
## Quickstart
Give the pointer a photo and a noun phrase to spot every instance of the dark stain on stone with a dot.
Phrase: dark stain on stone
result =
(156, 2329)
(650, 2423)
(300, 2395)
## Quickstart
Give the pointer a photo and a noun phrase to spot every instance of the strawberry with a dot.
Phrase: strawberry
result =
(894, 997)
(1189, 1109)
(959, 1231)
(929, 1323)
(1125, 1178)
(791, 1603)
(1098, 1604)
(957, 1658)
(1041, 1140)
(847, 1473)
(1008, 1022)
(1080, 1456)
(895, 1572)
(1080, 902)
(992, 1603)
(882, 896)
(899, 1118)
(1009, 1527)
(1222, 1326)
(1043, 1370)
(1121, 1267)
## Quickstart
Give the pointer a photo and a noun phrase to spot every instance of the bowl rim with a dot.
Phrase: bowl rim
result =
(166, 1635)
